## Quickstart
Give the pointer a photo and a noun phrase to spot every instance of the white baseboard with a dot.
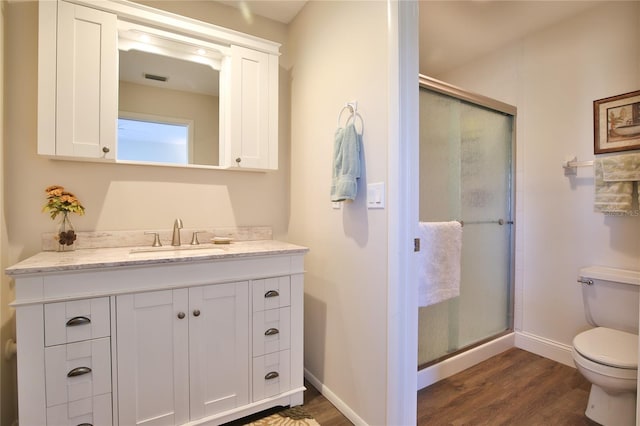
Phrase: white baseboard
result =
(449, 367)
(555, 351)
(333, 398)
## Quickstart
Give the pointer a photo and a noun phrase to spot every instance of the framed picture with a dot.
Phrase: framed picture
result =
(617, 123)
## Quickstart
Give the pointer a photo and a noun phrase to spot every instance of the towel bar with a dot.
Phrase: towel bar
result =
(571, 167)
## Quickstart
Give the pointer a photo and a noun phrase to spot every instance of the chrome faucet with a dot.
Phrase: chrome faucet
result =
(177, 226)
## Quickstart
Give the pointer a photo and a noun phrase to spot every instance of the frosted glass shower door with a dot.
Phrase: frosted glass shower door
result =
(466, 175)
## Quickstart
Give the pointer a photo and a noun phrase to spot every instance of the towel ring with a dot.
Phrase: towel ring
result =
(349, 108)
(353, 115)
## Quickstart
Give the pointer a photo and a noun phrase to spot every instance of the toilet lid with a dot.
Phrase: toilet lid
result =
(607, 346)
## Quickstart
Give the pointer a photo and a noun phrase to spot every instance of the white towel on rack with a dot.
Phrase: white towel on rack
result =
(621, 168)
(613, 188)
(439, 263)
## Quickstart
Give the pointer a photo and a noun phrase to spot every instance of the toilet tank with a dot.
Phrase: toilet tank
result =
(612, 298)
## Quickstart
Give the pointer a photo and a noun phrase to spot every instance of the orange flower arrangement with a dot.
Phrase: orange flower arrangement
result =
(61, 201)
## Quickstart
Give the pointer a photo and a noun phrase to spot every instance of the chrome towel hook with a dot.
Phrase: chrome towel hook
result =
(352, 107)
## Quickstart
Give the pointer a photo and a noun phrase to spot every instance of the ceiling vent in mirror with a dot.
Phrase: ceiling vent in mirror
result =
(155, 77)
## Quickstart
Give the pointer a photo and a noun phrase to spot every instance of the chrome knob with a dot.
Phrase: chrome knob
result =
(238, 160)
(196, 312)
(181, 315)
(105, 149)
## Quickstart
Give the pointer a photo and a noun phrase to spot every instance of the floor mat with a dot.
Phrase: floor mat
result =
(295, 416)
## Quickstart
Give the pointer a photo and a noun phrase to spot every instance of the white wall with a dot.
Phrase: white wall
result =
(8, 397)
(553, 77)
(339, 51)
(121, 197)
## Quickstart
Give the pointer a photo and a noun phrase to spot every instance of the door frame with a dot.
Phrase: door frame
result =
(402, 288)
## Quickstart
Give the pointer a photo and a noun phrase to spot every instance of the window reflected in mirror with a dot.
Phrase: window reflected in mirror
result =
(158, 95)
(154, 141)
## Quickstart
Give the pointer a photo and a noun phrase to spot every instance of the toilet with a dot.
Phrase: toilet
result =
(607, 355)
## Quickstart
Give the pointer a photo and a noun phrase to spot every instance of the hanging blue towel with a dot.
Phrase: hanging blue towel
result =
(346, 164)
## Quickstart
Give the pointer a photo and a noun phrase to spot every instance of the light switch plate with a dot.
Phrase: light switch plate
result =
(375, 195)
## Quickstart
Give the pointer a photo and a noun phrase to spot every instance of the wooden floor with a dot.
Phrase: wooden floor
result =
(321, 409)
(513, 388)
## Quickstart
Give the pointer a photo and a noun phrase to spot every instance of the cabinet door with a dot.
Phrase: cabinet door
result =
(253, 138)
(153, 363)
(87, 75)
(218, 348)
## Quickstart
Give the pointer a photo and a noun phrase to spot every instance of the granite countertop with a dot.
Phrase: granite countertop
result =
(83, 259)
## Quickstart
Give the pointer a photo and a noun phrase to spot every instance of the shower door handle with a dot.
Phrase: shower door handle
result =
(484, 222)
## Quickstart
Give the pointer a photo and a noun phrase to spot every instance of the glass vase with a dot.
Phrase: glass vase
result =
(66, 235)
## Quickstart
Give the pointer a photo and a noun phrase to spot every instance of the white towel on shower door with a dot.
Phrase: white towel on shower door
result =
(439, 263)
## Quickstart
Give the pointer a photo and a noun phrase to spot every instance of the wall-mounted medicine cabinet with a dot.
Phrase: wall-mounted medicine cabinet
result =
(126, 83)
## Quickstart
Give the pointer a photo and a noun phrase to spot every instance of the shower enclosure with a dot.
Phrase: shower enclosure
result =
(466, 174)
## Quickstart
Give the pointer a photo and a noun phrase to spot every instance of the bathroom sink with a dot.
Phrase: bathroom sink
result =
(176, 249)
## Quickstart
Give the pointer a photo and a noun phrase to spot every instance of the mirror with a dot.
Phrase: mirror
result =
(168, 98)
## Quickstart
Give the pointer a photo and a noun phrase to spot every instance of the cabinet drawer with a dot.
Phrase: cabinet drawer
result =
(271, 331)
(271, 293)
(271, 375)
(74, 321)
(94, 411)
(77, 371)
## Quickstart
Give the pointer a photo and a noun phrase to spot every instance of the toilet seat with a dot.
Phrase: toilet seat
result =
(608, 347)
(605, 371)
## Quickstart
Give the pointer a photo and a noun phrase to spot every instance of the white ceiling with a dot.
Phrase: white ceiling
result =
(279, 10)
(453, 32)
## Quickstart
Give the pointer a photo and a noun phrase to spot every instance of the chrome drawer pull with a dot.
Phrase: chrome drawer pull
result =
(78, 371)
(85, 424)
(271, 293)
(271, 332)
(78, 321)
(271, 375)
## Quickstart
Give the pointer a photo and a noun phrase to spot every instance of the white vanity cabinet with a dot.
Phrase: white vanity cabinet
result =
(253, 127)
(150, 339)
(182, 354)
(78, 80)
(77, 355)
(271, 303)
